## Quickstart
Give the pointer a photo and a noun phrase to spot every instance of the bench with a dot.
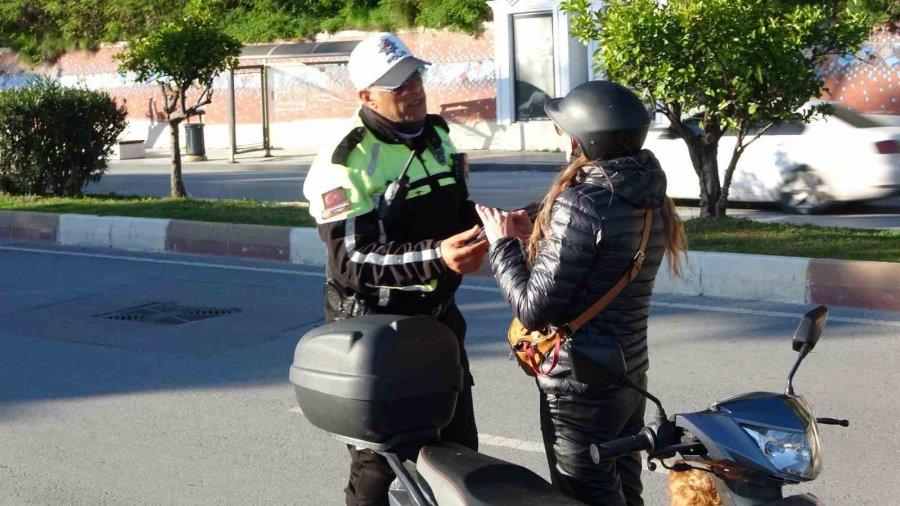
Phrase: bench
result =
(129, 149)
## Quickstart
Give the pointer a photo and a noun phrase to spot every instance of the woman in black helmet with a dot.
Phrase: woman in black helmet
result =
(584, 239)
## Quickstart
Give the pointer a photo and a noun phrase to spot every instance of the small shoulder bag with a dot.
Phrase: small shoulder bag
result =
(533, 347)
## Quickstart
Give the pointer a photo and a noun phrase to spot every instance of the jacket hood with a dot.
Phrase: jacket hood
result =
(638, 179)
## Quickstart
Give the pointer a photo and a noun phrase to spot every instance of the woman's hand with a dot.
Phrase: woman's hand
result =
(521, 224)
(497, 224)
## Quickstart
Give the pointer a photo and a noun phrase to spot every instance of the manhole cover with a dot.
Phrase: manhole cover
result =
(167, 313)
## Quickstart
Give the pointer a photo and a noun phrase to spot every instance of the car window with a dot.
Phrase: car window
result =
(854, 119)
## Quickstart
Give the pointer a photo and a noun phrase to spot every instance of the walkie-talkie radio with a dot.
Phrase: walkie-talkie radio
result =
(390, 201)
(460, 167)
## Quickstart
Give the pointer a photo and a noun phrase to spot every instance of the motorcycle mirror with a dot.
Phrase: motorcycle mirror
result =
(805, 339)
(810, 328)
(598, 363)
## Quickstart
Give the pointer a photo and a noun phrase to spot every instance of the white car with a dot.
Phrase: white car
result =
(804, 167)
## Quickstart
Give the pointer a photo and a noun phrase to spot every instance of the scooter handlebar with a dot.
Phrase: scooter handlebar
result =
(642, 441)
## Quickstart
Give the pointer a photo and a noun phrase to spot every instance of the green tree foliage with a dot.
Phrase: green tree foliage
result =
(738, 65)
(44, 29)
(878, 13)
(881, 12)
(267, 20)
(26, 27)
(181, 56)
(55, 139)
(465, 15)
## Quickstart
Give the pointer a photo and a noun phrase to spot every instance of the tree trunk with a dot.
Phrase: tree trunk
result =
(711, 177)
(722, 204)
(705, 159)
(176, 183)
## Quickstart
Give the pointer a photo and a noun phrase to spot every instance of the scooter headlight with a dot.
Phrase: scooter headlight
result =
(792, 453)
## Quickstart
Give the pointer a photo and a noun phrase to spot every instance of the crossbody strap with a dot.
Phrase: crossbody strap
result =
(629, 276)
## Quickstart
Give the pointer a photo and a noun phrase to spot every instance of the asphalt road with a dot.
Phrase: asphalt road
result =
(281, 179)
(100, 411)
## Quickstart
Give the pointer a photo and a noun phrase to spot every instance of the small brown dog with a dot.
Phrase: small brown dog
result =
(693, 488)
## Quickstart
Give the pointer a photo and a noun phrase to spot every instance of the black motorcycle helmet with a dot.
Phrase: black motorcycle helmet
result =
(606, 118)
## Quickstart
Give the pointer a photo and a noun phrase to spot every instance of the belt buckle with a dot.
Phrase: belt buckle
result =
(356, 307)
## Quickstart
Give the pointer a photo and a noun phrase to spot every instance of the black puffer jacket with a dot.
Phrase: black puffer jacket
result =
(594, 233)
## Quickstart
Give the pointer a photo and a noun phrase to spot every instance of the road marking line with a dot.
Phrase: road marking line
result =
(774, 314)
(169, 262)
(473, 288)
(509, 442)
(480, 288)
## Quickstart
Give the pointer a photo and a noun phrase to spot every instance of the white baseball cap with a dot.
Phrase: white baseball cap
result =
(382, 60)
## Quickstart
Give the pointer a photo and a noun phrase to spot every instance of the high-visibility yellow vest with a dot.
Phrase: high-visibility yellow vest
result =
(358, 168)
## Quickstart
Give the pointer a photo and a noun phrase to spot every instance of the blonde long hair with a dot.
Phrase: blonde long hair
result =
(676, 239)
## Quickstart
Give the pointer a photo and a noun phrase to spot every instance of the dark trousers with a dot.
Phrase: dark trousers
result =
(371, 475)
(570, 423)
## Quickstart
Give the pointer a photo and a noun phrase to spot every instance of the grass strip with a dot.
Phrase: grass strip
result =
(737, 235)
(225, 211)
(729, 235)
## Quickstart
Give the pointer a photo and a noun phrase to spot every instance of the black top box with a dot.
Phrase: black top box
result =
(378, 381)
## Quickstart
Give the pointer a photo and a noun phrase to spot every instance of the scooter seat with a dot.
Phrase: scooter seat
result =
(459, 476)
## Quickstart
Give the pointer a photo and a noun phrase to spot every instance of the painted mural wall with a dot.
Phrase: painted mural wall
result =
(869, 81)
(306, 94)
(311, 99)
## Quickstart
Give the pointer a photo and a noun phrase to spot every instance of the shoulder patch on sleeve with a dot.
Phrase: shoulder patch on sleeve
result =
(342, 151)
(335, 202)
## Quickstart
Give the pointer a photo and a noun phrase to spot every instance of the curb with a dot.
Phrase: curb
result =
(848, 283)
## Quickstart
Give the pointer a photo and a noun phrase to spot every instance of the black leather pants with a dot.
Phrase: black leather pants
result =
(371, 475)
(570, 423)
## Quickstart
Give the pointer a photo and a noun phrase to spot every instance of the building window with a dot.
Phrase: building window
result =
(533, 65)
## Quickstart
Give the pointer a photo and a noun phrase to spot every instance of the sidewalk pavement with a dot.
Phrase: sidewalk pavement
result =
(868, 285)
(479, 161)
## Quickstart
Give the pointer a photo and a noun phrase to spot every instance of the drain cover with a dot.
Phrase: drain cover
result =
(167, 313)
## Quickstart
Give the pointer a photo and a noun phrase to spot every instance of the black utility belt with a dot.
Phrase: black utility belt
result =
(347, 302)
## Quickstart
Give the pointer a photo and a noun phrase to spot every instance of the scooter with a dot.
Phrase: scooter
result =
(389, 384)
(753, 444)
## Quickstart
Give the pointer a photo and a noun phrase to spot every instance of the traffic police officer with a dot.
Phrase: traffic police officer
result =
(390, 203)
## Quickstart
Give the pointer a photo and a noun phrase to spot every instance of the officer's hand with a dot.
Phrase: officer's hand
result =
(462, 258)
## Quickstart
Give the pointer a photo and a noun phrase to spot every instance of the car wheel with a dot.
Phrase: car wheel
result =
(804, 192)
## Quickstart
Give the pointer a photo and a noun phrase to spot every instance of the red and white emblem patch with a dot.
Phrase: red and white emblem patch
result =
(335, 202)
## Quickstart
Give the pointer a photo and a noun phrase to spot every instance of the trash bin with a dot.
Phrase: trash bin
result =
(195, 147)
